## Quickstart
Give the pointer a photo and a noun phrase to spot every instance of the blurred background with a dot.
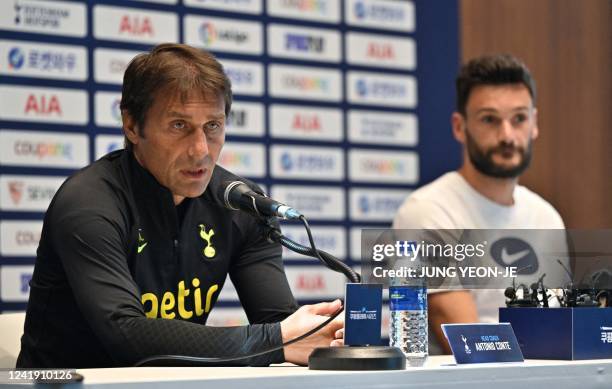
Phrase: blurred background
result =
(341, 107)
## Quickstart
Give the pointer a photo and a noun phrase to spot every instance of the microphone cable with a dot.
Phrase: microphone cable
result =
(213, 361)
(325, 258)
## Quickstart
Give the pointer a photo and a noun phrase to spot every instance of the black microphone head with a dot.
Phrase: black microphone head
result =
(510, 292)
(231, 191)
(224, 191)
(534, 287)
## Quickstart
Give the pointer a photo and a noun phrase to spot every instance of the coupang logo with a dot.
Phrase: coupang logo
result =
(305, 83)
(378, 12)
(306, 5)
(16, 58)
(382, 167)
(306, 162)
(382, 89)
(27, 238)
(42, 150)
(233, 159)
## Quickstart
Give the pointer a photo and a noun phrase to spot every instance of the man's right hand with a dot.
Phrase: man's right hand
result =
(305, 319)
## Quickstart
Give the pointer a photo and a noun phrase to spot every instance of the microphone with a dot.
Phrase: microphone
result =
(534, 293)
(510, 292)
(239, 196)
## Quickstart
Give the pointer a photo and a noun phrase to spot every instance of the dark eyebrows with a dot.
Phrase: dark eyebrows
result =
(220, 116)
(180, 115)
(493, 110)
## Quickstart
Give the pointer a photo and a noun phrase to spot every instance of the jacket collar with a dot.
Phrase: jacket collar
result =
(150, 195)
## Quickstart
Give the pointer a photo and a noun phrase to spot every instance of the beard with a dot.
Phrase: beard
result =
(483, 159)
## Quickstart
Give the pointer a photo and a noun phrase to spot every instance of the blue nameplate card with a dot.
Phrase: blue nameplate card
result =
(483, 343)
(362, 314)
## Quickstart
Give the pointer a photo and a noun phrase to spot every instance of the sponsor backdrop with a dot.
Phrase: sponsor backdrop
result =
(341, 108)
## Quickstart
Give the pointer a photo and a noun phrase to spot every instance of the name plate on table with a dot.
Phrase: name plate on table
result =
(483, 343)
(362, 314)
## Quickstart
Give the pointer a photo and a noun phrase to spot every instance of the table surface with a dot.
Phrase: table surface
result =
(438, 372)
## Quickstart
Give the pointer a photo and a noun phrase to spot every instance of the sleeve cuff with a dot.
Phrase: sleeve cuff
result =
(272, 336)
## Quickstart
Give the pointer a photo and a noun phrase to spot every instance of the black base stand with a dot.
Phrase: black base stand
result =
(357, 358)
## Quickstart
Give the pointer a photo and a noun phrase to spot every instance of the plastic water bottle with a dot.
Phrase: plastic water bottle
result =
(408, 329)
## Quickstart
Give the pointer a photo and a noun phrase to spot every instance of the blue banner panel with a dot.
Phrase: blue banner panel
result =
(341, 108)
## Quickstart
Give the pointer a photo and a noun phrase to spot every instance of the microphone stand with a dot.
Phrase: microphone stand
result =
(344, 357)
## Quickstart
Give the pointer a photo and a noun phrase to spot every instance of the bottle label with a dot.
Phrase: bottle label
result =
(407, 298)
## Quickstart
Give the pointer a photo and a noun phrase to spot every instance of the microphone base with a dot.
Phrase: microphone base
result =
(357, 358)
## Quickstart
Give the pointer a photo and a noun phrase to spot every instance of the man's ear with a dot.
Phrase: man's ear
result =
(536, 130)
(458, 124)
(130, 128)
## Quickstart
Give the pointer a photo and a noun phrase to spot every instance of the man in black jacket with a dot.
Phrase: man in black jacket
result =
(136, 247)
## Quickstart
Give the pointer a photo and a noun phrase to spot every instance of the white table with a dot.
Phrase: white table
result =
(438, 372)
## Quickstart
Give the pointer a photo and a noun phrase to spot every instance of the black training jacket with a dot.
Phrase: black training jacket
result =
(117, 260)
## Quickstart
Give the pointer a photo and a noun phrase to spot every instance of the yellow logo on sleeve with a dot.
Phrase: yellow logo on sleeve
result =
(141, 242)
(209, 251)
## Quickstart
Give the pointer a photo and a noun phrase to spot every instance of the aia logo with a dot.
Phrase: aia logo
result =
(16, 58)
(380, 51)
(43, 105)
(306, 123)
(312, 282)
(136, 26)
(16, 191)
(208, 33)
